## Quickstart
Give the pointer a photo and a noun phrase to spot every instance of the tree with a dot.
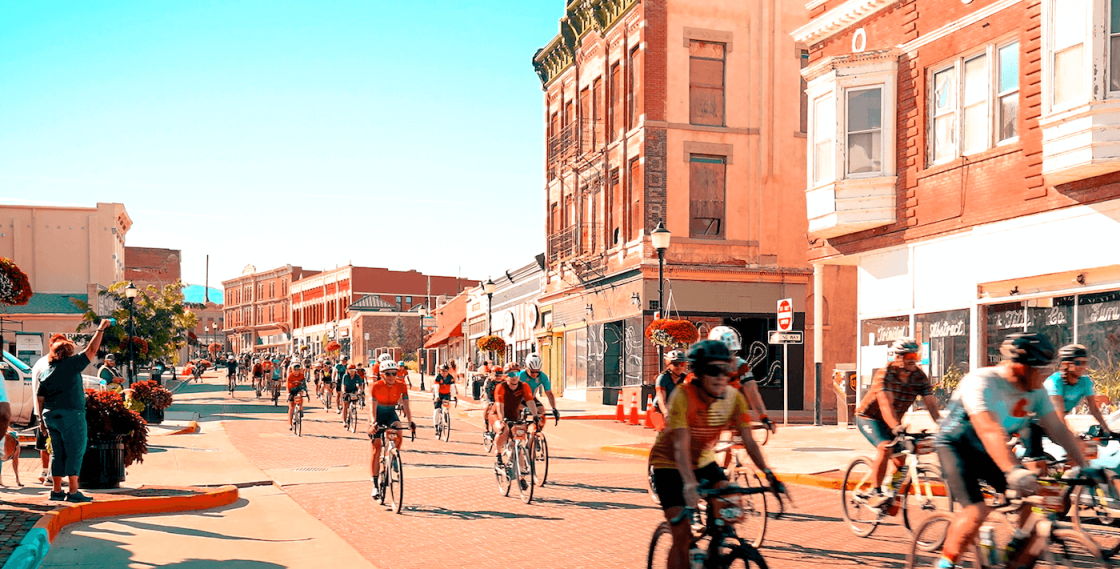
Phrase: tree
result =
(396, 333)
(161, 320)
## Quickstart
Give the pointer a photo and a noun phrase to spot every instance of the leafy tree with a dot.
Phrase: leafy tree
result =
(162, 320)
(396, 333)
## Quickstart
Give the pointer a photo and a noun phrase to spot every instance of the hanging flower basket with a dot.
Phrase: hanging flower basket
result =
(491, 344)
(333, 346)
(214, 348)
(672, 333)
(139, 346)
(15, 289)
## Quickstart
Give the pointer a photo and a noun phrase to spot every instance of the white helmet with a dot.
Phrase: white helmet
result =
(533, 362)
(385, 357)
(728, 336)
(388, 366)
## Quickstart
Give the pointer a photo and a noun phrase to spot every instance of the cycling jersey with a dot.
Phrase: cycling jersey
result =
(987, 390)
(534, 384)
(666, 382)
(704, 421)
(511, 397)
(445, 383)
(1071, 394)
(903, 385)
(295, 379)
(388, 395)
(339, 372)
(375, 369)
(351, 383)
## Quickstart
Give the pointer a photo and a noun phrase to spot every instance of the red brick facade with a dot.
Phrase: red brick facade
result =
(145, 266)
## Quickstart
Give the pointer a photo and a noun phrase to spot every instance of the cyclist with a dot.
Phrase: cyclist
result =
(402, 374)
(879, 416)
(509, 396)
(352, 388)
(317, 375)
(337, 373)
(682, 455)
(258, 375)
(741, 377)
(538, 380)
(972, 443)
(1070, 384)
(441, 388)
(490, 414)
(513, 368)
(231, 371)
(297, 382)
(676, 367)
(383, 398)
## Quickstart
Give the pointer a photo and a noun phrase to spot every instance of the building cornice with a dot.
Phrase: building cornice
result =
(838, 19)
(580, 18)
(833, 63)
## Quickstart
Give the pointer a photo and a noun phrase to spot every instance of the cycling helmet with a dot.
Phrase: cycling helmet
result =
(676, 356)
(728, 336)
(903, 346)
(1072, 352)
(400, 364)
(388, 367)
(1028, 348)
(296, 364)
(533, 362)
(385, 357)
(706, 351)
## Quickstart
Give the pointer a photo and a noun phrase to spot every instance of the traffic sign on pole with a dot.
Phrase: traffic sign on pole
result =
(785, 315)
(786, 337)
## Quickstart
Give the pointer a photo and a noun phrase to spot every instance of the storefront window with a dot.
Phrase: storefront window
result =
(1053, 318)
(875, 341)
(944, 340)
(1003, 320)
(1098, 329)
(575, 359)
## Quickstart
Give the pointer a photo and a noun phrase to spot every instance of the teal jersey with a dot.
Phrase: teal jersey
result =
(541, 380)
(1071, 394)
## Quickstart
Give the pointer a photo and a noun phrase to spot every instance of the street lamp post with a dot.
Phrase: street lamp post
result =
(420, 352)
(661, 238)
(489, 287)
(131, 291)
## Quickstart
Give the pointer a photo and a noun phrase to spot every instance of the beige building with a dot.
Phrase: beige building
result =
(68, 253)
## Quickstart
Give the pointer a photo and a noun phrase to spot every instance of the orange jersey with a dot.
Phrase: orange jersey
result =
(511, 398)
(704, 418)
(375, 369)
(295, 378)
(388, 395)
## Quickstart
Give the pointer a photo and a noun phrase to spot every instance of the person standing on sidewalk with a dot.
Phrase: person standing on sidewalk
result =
(63, 404)
(110, 376)
(37, 372)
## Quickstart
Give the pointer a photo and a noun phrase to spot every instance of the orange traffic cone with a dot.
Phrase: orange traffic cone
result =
(620, 412)
(649, 412)
(634, 409)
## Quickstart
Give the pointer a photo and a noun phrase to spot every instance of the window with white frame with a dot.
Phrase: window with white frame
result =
(865, 131)
(1069, 47)
(824, 126)
(974, 102)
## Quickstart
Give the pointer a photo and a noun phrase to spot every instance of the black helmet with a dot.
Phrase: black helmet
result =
(1072, 352)
(1028, 348)
(706, 351)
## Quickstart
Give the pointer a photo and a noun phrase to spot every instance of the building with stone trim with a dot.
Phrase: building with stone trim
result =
(257, 308)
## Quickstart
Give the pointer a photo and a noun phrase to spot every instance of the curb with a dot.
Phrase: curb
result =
(34, 546)
(190, 429)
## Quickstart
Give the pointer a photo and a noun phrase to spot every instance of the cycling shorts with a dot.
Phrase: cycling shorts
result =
(669, 485)
(876, 432)
(962, 469)
(440, 398)
(386, 416)
(292, 394)
(351, 396)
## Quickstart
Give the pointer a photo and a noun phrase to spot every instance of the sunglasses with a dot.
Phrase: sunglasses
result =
(715, 369)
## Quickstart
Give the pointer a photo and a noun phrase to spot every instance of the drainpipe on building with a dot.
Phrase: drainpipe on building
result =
(818, 338)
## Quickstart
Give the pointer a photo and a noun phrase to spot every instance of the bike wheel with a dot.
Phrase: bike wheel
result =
(1095, 511)
(752, 526)
(659, 547)
(1072, 548)
(540, 459)
(502, 473)
(446, 426)
(523, 468)
(742, 556)
(488, 441)
(929, 536)
(918, 501)
(859, 481)
(297, 421)
(396, 481)
(383, 479)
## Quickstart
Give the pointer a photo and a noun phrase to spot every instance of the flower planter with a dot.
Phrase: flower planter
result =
(103, 464)
(152, 416)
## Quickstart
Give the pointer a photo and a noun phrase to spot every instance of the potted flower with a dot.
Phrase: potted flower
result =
(672, 333)
(149, 399)
(15, 289)
(118, 437)
(493, 344)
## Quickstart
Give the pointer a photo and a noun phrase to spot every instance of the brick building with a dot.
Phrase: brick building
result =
(320, 302)
(371, 320)
(153, 266)
(684, 112)
(258, 308)
(965, 162)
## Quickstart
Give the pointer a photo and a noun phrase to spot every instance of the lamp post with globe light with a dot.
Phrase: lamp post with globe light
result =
(420, 352)
(488, 287)
(661, 238)
(131, 292)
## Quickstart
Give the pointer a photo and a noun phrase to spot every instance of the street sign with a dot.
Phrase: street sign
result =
(785, 315)
(777, 337)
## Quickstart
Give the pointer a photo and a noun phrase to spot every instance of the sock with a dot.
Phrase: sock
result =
(945, 563)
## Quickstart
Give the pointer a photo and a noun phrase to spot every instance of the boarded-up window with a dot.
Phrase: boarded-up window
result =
(615, 118)
(636, 190)
(705, 83)
(632, 90)
(707, 191)
(585, 122)
(597, 96)
(615, 231)
(569, 113)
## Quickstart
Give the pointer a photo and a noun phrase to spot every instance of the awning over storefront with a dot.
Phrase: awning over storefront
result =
(444, 333)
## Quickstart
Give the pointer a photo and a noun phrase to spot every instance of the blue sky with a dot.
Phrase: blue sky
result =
(399, 134)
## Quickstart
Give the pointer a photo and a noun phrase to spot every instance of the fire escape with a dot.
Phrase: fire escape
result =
(577, 153)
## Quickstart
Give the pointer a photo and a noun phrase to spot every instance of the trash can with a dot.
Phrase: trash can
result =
(844, 382)
(476, 388)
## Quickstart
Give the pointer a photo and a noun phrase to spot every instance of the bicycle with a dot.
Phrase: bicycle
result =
(232, 384)
(714, 520)
(518, 464)
(753, 521)
(858, 486)
(297, 417)
(538, 451)
(390, 476)
(1096, 509)
(275, 392)
(1071, 548)
(442, 420)
(350, 400)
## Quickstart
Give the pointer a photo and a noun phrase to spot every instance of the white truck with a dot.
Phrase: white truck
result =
(17, 384)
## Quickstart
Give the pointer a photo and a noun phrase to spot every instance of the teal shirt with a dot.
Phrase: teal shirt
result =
(1071, 394)
(542, 379)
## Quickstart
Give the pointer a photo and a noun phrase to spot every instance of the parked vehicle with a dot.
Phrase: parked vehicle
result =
(17, 384)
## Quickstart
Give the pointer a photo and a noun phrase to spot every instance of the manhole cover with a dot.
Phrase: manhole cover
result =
(310, 469)
(822, 449)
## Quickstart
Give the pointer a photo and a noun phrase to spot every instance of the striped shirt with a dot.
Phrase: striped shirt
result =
(704, 422)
